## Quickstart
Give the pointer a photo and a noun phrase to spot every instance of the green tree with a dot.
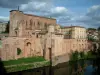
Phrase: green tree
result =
(7, 27)
(91, 29)
(98, 28)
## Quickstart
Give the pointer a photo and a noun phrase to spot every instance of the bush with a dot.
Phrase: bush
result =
(74, 56)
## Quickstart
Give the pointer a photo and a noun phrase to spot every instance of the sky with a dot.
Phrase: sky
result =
(67, 12)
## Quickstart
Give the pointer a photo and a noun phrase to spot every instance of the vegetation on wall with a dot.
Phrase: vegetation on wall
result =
(18, 51)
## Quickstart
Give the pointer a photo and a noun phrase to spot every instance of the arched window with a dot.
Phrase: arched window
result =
(15, 33)
(28, 43)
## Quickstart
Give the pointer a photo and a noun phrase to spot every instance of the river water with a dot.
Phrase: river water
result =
(60, 69)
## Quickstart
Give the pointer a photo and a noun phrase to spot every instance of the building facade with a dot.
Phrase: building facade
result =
(24, 24)
(74, 32)
(39, 36)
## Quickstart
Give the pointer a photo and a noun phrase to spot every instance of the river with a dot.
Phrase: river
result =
(60, 69)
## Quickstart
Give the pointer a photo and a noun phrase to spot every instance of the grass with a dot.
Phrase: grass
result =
(24, 64)
(23, 61)
(26, 67)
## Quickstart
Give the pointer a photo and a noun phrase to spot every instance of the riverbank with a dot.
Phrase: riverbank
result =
(24, 64)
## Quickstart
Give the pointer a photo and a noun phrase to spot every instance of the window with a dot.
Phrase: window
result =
(26, 24)
(31, 22)
(37, 36)
(38, 23)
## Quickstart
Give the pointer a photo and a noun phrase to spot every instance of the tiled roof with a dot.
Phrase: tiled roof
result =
(39, 16)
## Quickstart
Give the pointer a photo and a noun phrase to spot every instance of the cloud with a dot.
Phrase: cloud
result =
(46, 8)
(35, 7)
(12, 3)
(16, 3)
(4, 19)
(58, 12)
(92, 17)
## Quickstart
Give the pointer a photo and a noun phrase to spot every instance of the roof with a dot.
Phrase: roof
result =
(39, 16)
(16, 10)
(33, 15)
(72, 27)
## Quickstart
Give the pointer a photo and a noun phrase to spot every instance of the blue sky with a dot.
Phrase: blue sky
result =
(76, 12)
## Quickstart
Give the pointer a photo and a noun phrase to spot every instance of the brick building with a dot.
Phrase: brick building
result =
(24, 24)
(36, 36)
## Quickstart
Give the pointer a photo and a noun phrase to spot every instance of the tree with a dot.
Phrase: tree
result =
(98, 28)
(7, 27)
(91, 29)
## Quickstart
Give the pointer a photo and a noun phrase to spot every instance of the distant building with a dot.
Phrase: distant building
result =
(74, 32)
(76, 45)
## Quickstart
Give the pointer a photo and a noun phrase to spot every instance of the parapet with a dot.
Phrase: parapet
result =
(16, 11)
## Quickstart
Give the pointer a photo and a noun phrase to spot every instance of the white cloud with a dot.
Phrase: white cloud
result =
(94, 8)
(34, 6)
(4, 19)
(46, 8)
(59, 10)
(65, 16)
